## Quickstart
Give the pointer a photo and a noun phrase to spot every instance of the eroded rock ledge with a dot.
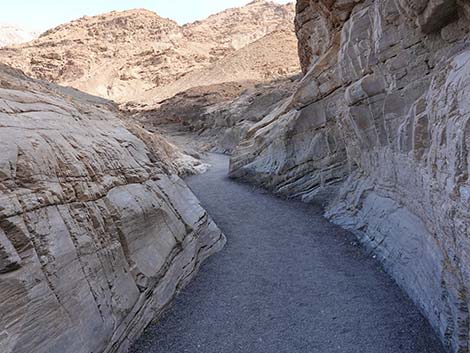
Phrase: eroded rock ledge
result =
(379, 131)
(97, 232)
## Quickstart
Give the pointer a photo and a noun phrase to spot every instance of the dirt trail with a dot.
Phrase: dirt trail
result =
(288, 281)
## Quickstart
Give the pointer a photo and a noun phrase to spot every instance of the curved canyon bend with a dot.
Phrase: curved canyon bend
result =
(306, 163)
(288, 281)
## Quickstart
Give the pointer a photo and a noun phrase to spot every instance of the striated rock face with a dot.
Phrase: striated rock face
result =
(379, 131)
(97, 233)
(13, 35)
(122, 55)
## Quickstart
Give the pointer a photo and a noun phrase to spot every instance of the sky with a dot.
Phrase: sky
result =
(40, 15)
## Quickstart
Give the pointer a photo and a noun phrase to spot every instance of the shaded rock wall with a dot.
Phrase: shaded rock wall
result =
(97, 233)
(379, 132)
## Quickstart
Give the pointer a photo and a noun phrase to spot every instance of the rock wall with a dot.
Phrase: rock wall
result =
(97, 233)
(379, 132)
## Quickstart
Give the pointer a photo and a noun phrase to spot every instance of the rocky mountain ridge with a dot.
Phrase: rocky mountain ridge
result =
(270, 58)
(122, 55)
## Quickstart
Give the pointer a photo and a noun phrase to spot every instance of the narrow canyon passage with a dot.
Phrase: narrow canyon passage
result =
(288, 281)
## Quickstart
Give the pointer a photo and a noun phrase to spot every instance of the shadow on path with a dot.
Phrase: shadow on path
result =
(288, 281)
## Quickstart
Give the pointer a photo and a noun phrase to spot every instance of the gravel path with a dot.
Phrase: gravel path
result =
(287, 282)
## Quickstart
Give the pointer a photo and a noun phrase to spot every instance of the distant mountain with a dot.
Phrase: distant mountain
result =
(126, 55)
(10, 35)
(271, 57)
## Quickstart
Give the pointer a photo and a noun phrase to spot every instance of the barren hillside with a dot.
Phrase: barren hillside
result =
(124, 54)
(269, 58)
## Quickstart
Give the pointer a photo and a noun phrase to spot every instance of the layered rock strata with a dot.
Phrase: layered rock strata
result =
(379, 131)
(97, 232)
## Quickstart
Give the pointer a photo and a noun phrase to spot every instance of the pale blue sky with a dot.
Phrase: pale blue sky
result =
(40, 15)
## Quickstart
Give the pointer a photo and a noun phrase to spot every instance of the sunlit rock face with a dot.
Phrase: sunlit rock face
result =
(379, 132)
(97, 232)
(137, 55)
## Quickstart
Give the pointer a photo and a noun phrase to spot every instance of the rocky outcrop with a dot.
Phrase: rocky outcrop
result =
(216, 117)
(378, 131)
(97, 232)
(123, 55)
(237, 27)
(272, 57)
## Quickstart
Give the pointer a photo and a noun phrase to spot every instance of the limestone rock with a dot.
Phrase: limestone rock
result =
(97, 232)
(378, 131)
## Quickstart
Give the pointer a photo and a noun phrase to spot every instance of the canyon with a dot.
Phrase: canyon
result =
(98, 232)
(354, 113)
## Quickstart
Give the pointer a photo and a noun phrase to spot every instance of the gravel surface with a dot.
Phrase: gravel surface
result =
(288, 281)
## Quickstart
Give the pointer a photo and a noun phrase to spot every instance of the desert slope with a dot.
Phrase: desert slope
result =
(235, 28)
(215, 117)
(269, 58)
(124, 54)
